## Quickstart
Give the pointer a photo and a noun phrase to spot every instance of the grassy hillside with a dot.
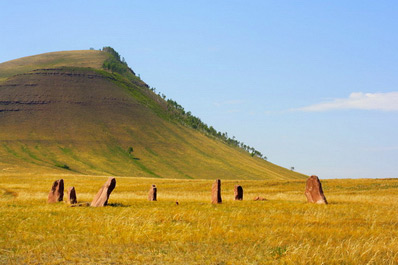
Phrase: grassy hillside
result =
(359, 226)
(84, 58)
(62, 113)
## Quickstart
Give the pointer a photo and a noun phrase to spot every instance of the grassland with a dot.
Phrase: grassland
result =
(359, 226)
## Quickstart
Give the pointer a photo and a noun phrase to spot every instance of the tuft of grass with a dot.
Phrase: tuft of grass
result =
(4, 193)
(278, 252)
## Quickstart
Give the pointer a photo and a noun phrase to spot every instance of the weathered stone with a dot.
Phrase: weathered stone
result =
(216, 192)
(57, 192)
(238, 193)
(101, 199)
(71, 196)
(152, 193)
(259, 199)
(314, 192)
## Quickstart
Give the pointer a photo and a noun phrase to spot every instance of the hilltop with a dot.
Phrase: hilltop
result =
(86, 112)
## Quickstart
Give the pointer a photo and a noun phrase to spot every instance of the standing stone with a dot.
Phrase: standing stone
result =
(101, 199)
(57, 192)
(238, 192)
(314, 191)
(216, 192)
(71, 196)
(152, 193)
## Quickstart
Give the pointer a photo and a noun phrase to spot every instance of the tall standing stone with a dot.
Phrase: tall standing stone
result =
(314, 192)
(57, 192)
(216, 192)
(238, 192)
(101, 199)
(71, 196)
(152, 193)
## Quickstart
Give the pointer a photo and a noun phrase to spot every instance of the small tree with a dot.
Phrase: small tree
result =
(292, 168)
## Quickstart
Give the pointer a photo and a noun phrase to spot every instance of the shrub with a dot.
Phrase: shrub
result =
(64, 166)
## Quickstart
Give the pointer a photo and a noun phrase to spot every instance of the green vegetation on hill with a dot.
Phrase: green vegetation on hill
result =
(68, 112)
(186, 118)
(175, 111)
(114, 63)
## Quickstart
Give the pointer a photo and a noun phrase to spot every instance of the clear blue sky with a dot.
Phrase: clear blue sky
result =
(310, 84)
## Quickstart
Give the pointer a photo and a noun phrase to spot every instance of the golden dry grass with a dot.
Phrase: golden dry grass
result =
(83, 58)
(359, 226)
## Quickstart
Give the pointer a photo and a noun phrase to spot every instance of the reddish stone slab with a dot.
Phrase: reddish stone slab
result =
(57, 192)
(101, 199)
(152, 193)
(71, 196)
(216, 192)
(314, 192)
(259, 199)
(238, 193)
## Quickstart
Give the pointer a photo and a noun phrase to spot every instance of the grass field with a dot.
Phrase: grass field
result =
(359, 226)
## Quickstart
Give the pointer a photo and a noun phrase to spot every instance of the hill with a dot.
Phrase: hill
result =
(85, 112)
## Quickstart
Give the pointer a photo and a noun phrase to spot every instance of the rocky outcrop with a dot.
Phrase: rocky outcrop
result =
(101, 199)
(238, 193)
(57, 192)
(259, 199)
(71, 196)
(152, 193)
(216, 192)
(314, 192)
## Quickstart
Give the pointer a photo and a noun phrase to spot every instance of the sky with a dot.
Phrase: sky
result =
(311, 84)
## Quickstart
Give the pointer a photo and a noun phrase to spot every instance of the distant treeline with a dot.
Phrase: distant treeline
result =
(176, 112)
